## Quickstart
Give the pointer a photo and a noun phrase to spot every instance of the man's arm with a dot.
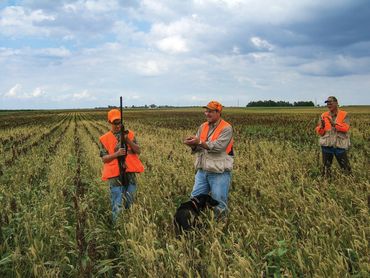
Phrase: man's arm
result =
(193, 142)
(320, 128)
(343, 127)
(216, 146)
(133, 144)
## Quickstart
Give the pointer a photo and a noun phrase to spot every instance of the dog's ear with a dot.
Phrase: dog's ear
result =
(212, 202)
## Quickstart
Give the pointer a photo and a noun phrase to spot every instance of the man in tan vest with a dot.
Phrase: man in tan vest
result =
(334, 140)
(213, 147)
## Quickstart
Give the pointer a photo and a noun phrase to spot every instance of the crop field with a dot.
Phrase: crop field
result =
(285, 219)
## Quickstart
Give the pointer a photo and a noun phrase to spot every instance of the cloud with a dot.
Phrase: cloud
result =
(37, 92)
(89, 52)
(13, 92)
(97, 6)
(60, 52)
(174, 44)
(18, 21)
(83, 96)
(17, 93)
(150, 68)
(261, 44)
(336, 66)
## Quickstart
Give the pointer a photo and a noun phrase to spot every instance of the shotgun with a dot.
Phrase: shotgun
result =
(122, 159)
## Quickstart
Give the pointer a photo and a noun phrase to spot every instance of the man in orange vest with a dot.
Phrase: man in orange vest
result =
(213, 147)
(110, 150)
(334, 140)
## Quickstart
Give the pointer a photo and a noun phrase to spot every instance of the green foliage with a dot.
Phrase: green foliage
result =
(285, 220)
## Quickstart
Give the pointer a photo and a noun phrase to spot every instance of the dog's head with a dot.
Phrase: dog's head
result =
(204, 200)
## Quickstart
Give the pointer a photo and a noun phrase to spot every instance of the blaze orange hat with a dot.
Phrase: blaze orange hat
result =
(114, 114)
(214, 105)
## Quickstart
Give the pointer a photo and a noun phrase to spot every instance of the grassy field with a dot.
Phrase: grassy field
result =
(285, 220)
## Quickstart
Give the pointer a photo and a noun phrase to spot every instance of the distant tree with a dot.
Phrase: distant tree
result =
(152, 106)
(304, 103)
(269, 103)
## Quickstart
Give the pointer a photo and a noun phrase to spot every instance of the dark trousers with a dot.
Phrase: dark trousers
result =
(342, 159)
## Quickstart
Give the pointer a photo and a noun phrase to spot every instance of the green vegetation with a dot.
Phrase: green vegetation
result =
(285, 219)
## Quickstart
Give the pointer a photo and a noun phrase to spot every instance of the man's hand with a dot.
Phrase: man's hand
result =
(331, 121)
(192, 141)
(120, 152)
(125, 136)
(322, 123)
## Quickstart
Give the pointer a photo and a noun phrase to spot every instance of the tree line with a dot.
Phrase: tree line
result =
(271, 103)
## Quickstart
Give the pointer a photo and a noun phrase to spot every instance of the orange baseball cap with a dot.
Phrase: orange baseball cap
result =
(114, 114)
(214, 105)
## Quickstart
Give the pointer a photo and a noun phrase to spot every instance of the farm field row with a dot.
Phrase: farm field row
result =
(285, 219)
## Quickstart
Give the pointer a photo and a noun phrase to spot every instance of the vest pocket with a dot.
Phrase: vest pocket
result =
(342, 140)
(214, 165)
(217, 164)
(329, 139)
(325, 140)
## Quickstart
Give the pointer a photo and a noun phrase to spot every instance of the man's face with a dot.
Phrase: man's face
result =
(332, 105)
(116, 125)
(212, 115)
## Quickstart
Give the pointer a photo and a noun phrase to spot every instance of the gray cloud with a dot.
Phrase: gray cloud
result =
(337, 27)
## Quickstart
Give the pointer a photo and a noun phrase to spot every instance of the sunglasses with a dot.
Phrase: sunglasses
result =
(116, 123)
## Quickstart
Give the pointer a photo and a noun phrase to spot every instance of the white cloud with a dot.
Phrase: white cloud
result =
(174, 44)
(150, 68)
(60, 52)
(97, 6)
(16, 93)
(83, 96)
(37, 92)
(166, 51)
(18, 21)
(13, 92)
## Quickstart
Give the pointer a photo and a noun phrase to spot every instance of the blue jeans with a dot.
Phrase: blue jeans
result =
(116, 193)
(216, 183)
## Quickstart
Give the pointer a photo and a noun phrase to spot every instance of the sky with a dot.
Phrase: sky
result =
(87, 53)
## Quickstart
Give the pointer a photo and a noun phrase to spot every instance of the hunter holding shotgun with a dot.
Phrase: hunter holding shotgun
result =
(119, 152)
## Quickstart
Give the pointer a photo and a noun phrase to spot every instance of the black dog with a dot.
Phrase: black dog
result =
(188, 212)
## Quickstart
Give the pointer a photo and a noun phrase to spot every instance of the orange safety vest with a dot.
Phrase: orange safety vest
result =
(340, 124)
(111, 169)
(216, 133)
